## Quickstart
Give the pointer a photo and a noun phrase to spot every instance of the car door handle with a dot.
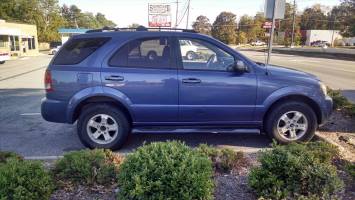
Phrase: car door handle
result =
(191, 80)
(114, 78)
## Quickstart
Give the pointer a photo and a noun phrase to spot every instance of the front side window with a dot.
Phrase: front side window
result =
(147, 53)
(201, 55)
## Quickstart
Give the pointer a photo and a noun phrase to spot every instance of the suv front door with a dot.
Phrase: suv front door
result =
(209, 91)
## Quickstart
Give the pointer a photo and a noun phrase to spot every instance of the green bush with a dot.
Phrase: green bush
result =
(296, 171)
(5, 155)
(86, 166)
(166, 170)
(24, 180)
(224, 160)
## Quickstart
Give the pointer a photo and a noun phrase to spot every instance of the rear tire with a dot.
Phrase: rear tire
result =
(291, 122)
(2, 62)
(103, 126)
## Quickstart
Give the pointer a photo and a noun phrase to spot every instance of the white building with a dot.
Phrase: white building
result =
(349, 41)
(324, 35)
(66, 33)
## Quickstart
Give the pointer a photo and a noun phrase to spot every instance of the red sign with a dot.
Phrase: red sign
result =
(159, 15)
(159, 21)
(267, 25)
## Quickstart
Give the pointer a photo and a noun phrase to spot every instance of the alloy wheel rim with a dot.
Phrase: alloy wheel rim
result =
(102, 128)
(292, 125)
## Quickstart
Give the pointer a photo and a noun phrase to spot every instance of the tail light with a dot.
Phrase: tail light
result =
(48, 81)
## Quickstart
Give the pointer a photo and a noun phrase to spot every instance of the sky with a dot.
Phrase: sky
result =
(126, 12)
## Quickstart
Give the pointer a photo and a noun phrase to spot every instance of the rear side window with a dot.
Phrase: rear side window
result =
(144, 53)
(76, 50)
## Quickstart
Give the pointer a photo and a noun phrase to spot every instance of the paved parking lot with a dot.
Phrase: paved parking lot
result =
(24, 131)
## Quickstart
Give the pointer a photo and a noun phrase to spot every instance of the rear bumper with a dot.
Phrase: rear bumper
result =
(54, 110)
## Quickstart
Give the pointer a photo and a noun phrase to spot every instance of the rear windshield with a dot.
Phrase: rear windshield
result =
(76, 50)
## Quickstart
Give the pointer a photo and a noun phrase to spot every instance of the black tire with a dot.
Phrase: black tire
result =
(92, 110)
(2, 62)
(152, 55)
(272, 119)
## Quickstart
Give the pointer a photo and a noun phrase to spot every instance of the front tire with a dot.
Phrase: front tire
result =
(291, 122)
(2, 62)
(103, 126)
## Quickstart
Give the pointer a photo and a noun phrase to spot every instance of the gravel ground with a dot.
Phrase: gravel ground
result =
(340, 130)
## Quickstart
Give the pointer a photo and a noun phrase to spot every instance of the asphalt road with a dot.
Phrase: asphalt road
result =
(24, 131)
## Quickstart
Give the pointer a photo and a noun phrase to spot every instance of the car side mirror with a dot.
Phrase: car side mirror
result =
(240, 67)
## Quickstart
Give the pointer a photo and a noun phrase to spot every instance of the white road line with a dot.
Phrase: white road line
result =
(30, 114)
(42, 157)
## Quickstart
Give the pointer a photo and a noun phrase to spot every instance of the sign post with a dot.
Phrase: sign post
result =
(159, 15)
(274, 9)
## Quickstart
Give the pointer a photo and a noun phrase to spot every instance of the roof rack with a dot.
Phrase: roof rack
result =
(139, 28)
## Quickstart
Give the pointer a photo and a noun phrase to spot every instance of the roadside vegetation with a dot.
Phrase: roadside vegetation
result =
(172, 170)
(297, 171)
(342, 103)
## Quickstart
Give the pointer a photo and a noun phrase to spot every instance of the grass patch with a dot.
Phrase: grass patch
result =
(5, 155)
(341, 102)
(224, 160)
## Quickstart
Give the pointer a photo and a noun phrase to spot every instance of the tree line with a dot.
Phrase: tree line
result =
(249, 28)
(49, 16)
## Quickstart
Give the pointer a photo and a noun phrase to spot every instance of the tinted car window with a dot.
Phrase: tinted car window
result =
(76, 50)
(147, 53)
(201, 55)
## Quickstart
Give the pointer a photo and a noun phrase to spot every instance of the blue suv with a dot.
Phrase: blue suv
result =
(120, 81)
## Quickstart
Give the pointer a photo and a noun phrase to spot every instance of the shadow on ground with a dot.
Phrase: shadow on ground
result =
(30, 135)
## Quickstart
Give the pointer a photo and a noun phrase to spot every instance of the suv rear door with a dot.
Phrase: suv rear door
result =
(143, 70)
(208, 91)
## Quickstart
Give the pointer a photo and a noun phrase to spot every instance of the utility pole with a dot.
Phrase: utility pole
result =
(271, 33)
(332, 42)
(293, 24)
(177, 11)
(188, 14)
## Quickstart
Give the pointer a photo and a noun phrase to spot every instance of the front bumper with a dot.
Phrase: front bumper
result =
(54, 110)
(327, 109)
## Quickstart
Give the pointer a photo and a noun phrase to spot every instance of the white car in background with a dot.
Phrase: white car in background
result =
(53, 51)
(188, 49)
(258, 43)
(4, 57)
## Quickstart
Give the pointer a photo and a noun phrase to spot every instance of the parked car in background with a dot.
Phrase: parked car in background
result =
(320, 43)
(4, 56)
(258, 43)
(107, 83)
(188, 49)
(53, 51)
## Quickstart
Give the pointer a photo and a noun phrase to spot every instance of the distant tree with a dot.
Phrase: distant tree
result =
(134, 25)
(342, 17)
(48, 20)
(252, 27)
(202, 25)
(75, 18)
(314, 18)
(102, 21)
(224, 27)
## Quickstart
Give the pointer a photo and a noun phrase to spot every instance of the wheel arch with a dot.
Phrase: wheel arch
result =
(298, 98)
(104, 100)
